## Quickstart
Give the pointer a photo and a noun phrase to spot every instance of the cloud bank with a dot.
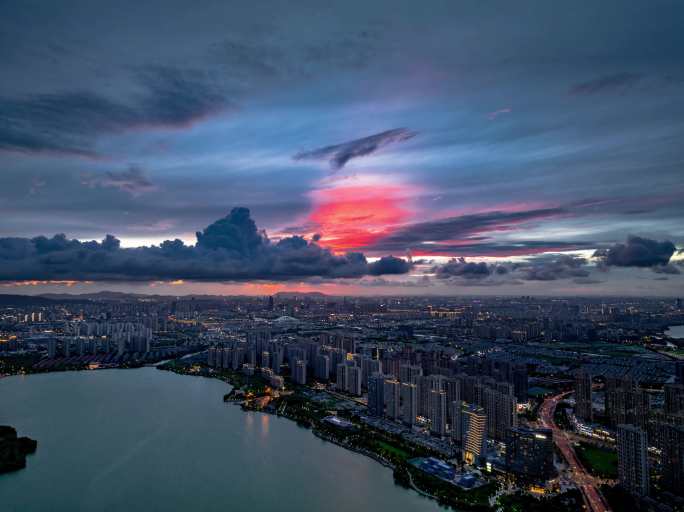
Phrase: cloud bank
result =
(549, 267)
(230, 249)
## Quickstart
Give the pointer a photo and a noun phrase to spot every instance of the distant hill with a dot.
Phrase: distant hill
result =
(105, 295)
(24, 300)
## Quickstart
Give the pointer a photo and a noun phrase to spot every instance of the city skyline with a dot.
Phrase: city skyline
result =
(348, 149)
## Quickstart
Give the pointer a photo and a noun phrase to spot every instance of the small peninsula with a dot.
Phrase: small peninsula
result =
(13, 449)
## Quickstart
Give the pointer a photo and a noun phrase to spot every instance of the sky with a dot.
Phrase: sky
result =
(383, 147)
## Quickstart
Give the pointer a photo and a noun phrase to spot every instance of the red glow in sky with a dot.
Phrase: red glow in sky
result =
(353, 217)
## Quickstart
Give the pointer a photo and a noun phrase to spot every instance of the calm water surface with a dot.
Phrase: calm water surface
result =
(151, 440)
(675, 331)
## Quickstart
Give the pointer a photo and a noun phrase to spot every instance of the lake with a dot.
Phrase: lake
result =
(145, 439)
(675, 331)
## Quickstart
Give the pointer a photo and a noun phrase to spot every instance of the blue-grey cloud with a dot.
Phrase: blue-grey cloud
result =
(552, 267)
(468, 228)
(547, 267)
(339, 154)
(459, 267)
(133, 181)
(68, 122)
(231, 249)
(637, 252)
(616, 82)
(389, 265)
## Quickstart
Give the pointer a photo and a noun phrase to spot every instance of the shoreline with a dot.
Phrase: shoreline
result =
(448, 496)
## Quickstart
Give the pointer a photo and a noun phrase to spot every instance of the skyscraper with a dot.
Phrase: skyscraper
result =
(679, 371)
(409, 403)
(453, 391)
(300, 372)
(408, 374)
(626, 402)
(529, 454)
(673, 459)
(456, 420)
(369, 366)
(376, 395)
(583, 396)
(438, 412)
(392, 396)
(474, 434)
(501, 411)
(674, 399)
(341, 377)
(322, 368)
(520, 382)
(354, 380)
(632, 451)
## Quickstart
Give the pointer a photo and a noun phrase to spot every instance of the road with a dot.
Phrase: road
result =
(584, 481)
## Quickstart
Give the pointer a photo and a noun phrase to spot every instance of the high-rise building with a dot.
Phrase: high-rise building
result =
(679, 370)
(438, 412)
(392, 396)
(632, 451)
(300, 372)
(456, 420)
(322, 368)
(408, 374)
(583, 396)
(529, 454)
(673, 459)
(341, 380)
(674, 399)
(369, 367)
(409, 403)
(520, 382)
(349, 378)
(453, 391)
(626, 402)
(258, 339)
(427, 384)
(474, 434)
(501, 411)
(376, 395)
(354, 380)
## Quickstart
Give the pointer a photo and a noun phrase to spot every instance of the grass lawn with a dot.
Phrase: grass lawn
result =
(598, 461)
(403, 454)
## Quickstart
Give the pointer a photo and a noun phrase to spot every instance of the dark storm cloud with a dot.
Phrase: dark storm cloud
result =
(459, 267)
(67, 122)
(550, 268)
(540, 268)
(617, 82)
(133, 181)
(637, 252)
(231, 249)
(389, 265)
(339, 154)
